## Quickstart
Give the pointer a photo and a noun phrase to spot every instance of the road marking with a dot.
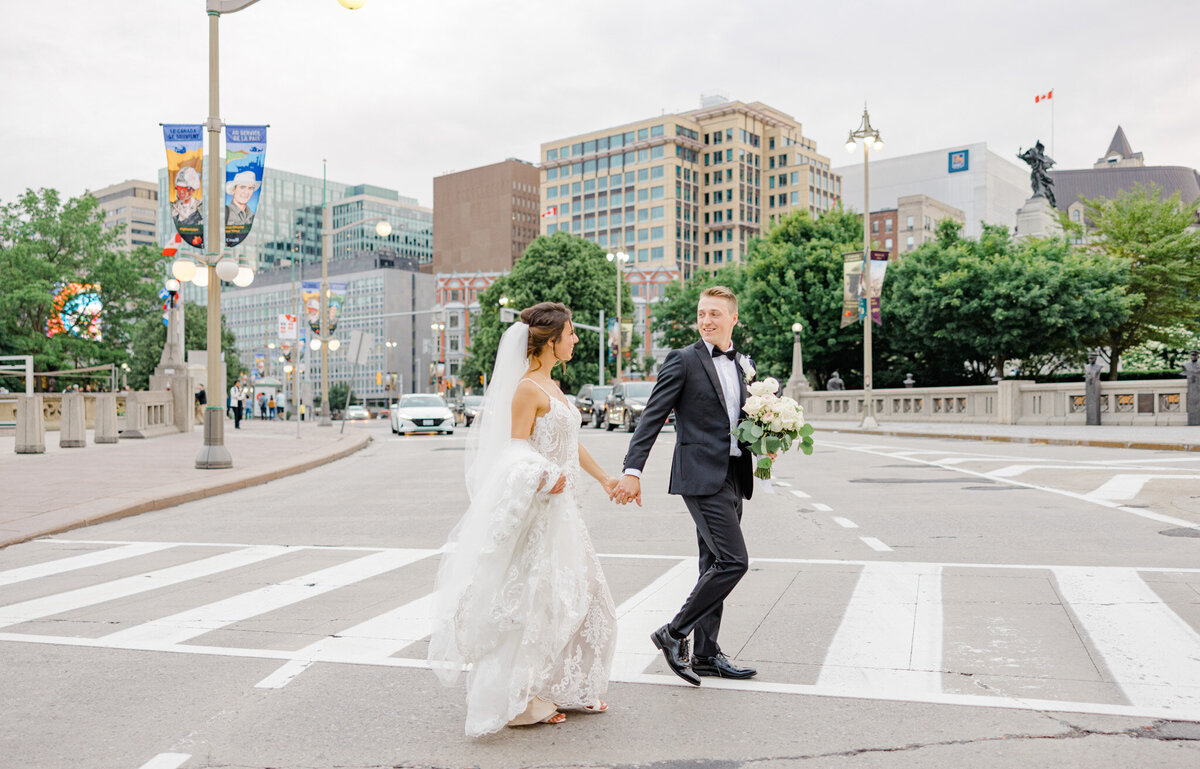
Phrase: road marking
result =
(845, 523)
(1152, 653)
(82, 561)
(1061, 492)
(182, 627)
(784, 484)
(646, 611)
(822, 508)
(37, 608)
(1124, 487)
(890, 637)
(799, 493)
(875, 544)
(378, 637)
(1011, 471)
(167, 761)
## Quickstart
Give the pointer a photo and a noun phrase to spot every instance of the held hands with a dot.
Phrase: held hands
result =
(609, 484)
(628, 489)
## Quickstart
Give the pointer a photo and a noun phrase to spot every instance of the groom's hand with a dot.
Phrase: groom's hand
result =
(629, 489)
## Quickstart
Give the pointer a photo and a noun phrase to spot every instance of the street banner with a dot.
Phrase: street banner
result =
(185, 170)
(852, 267)
(311, 292)
(285, 349)
(287, 326)
(77, 309)
(245, 158)
(260, 364)
(614, 340)
(879, 263)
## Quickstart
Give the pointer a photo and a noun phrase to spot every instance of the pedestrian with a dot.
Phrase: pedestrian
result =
(271, 407)
(302, 411)
(705, 384)
(235, 403)
(262, 405)
(520, 594)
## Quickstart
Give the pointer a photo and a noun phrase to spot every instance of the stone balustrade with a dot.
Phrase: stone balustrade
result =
(52, 410)
(149, 414)
(1010, 401)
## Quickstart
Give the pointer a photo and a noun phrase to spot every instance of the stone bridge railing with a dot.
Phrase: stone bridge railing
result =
(141, 411)
(1010, 401)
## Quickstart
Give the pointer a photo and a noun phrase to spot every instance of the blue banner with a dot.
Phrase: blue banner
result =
(185, 170)
(245, 160)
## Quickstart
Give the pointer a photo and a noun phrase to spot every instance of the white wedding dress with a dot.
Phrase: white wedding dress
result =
(521, 598)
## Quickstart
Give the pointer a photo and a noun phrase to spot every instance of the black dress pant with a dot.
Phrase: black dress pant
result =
(723, 561)
(237, 416)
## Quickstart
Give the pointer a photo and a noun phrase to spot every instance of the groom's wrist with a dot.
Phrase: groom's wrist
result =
(634, 472)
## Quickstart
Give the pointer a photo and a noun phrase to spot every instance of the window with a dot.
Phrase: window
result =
(874, 228)
(1075, 215)
(589, 185)
(887, 225)
(551, 174)
(576, 150)
(643, 174)
(643, 194)
(910, 226)
(643, 215)
(615, 198)
(656, 193)
(888, 244)
(657, 172)
(656, 212)
(926, 222)
(656, 233)
(909, 244)
(656, 252)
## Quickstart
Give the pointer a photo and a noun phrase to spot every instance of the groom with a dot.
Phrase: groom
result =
(705, 386)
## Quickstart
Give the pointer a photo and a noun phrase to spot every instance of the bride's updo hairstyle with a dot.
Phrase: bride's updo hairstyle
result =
(546, 323)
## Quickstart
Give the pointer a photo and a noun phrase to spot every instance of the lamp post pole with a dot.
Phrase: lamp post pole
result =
(871, 138)
(619, 258)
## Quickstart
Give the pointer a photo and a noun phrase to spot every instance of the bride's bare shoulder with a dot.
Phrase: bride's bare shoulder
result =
(529, 394)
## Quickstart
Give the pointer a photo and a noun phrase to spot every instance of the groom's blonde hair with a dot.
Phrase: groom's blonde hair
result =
(721, 292)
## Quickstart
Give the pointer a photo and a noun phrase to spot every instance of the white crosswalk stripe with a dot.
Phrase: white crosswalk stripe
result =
(889, 643)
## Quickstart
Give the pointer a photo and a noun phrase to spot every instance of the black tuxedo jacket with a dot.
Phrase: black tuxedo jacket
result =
(688, 383)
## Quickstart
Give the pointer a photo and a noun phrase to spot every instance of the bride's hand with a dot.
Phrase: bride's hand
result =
(609, 484)
(559, 485)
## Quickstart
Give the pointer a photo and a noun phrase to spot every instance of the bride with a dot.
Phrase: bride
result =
(520, 596)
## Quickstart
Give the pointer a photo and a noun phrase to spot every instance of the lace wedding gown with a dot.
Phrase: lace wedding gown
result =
(521, 596)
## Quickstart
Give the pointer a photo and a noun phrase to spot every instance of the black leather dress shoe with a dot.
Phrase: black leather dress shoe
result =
(675, 650)
(720, 666)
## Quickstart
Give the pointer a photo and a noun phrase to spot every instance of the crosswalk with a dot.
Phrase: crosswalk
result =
(1111, 640)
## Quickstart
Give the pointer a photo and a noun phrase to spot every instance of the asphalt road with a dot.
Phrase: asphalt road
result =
(910, 603)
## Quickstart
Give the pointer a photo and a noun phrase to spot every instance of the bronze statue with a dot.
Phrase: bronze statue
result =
(1091, 378)
(1191, 370)
(835, 382)
(1039, 166)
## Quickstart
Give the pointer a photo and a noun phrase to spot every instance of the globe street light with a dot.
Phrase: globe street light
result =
(797, 383)
(619, 258)
(871, 138)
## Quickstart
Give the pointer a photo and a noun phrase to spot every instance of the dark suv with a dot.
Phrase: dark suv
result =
(625, 404)
(590, 402)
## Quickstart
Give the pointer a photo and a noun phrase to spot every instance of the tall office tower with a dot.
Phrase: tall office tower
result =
(484, 218)
(133, 203)
(686, 190)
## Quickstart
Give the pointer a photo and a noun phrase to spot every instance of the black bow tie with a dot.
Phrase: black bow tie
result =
(728, 353)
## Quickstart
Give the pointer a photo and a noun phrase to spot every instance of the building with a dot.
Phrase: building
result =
(288, 223)
(647, 286)
(1118, 170)
(983, 186)
(485, 218)
(684, 191)
(133, 203)
(457, 302)
(389, 303)
(913, 221)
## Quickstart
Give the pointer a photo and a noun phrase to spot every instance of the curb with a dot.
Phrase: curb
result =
(1107, 444)
(191, 495)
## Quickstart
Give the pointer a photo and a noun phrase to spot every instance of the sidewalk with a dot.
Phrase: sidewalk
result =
(1154, 437)
(63, 489)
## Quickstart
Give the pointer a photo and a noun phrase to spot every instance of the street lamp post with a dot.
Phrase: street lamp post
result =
(439, 356)
(797, 383)
(871, 138)
(619, 258)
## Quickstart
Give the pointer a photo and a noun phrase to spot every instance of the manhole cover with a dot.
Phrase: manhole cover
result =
(1181, 532)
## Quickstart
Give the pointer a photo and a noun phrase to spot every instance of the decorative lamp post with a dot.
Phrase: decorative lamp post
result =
(440, 358)
(797, 383)
(871, 138)
(620, 257)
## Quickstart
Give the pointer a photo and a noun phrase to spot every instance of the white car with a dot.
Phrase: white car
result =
(420, 413)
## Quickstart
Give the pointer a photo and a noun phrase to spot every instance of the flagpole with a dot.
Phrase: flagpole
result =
(1051, 122)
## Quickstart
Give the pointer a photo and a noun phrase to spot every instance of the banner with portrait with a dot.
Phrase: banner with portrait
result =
(879, 263)
(245, 160)
(77, 310)
(852, 267)
(310, 291)
(185, 172)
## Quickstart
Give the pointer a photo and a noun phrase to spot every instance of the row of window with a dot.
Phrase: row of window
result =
(604, 164)
(717, 137)
(606, 143)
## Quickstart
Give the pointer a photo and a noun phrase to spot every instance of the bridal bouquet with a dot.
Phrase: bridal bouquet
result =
(772, 425)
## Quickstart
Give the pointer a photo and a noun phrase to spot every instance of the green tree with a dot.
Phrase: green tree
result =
(957, 308)
(555, 268)
(795, 274)
(1151, 237)
(338, 393)
(149, 335)
(45, 242)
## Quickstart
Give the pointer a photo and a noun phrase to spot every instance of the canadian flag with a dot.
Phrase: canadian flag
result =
(551, 211)
(1047, 95)
(173, 247)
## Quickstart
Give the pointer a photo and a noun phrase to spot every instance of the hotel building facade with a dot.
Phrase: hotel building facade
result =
(685, 191)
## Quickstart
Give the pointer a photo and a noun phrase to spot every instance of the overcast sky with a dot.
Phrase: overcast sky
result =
(402, 91)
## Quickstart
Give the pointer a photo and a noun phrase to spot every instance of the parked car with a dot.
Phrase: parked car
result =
(357, 412)
(422, 413)
(590, 402)
(470, 408)
(624, 405)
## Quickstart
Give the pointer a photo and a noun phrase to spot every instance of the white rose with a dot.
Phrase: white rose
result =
(772, 384)
(754, 404)
(760, 389)
(777, 424)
